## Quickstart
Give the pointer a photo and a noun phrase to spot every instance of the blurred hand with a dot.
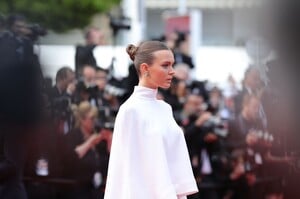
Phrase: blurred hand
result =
(203, 118)
(238, 171)
(95, 139)
(251, 179)
(210, 137)
(71, 88)
(106, 134)
(251, 138)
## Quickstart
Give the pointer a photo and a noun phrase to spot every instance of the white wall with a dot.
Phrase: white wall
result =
(212, 63)
(217, 63)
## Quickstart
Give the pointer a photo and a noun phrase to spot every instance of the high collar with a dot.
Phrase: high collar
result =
(144, 92)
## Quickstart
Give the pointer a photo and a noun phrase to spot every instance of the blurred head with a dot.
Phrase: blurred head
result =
(252, 78)
(171, 39)
(64, 77)
(101, 78)
(193, 104)
(215, 97)
(153, 61)
(89, 75)
(18, 25)
(251, 106)
(182, 71)
(86, 116)
(94, 36)
(182, 43)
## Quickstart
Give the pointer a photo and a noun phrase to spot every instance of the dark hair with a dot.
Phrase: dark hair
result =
(62, 73)
(99, 69)
(144, 52)
(13, 18)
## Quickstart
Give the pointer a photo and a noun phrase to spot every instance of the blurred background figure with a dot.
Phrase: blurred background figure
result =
(86, 154)
(225, 51)
(84, 54)
(21, 82)
(181, 50)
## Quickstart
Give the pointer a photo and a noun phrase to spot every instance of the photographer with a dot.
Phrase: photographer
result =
(108, 104)
(86, 88)
(20, 104)
(86, 154)
(202, 143)
(60, 97)
(84, 53)
(247, 133)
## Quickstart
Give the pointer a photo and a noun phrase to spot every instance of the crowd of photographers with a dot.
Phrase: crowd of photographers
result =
(227, 129)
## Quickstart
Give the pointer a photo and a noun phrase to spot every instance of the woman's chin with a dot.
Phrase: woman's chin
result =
(166, 86)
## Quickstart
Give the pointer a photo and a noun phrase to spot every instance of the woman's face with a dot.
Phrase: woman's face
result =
(88, 122)
(161, 70)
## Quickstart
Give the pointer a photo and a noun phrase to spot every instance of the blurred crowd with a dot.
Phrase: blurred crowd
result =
(234, 151)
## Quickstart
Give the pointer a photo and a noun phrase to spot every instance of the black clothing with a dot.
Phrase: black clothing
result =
(84, 56)
(253, 156)
(182, 58)
(238, 101)
(13, 157)
(20, 107)
(20, 80)
(131, 80)
(84, 169)
(239, 128)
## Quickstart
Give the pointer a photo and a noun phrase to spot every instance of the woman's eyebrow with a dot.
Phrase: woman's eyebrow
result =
(167, 62)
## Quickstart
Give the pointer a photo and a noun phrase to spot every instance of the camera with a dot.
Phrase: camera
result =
(106, 118)
(61, 107)
(119, 23)
(36, 31)
(218, 126)
(91, 90)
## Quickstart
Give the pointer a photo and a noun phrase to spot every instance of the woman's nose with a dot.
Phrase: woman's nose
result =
(172, 71)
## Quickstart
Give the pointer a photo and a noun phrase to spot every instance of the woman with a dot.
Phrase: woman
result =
(149, 157)
(86, 155)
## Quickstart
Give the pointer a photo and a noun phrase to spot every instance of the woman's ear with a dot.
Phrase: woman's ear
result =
(144, 68)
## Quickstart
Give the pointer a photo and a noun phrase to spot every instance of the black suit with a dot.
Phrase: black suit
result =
(182, 58)
(84, 56)
(83, 169)
(20, 78)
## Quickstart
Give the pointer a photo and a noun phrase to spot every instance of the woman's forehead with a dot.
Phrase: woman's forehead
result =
(164, 55)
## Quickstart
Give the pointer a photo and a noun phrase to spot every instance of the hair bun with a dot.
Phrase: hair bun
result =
(131, 50)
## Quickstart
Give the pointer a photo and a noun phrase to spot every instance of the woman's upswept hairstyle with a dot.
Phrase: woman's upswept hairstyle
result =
(144, 52)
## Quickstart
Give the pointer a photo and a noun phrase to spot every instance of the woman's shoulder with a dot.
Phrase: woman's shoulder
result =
(128, 106)
(165, 105)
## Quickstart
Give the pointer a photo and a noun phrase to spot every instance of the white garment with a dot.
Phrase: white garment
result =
(206, 166)
(149, 157)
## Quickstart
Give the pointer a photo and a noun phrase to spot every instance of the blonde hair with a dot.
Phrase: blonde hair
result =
(82, 110)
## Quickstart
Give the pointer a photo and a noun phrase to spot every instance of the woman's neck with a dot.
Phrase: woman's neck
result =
(143, 83)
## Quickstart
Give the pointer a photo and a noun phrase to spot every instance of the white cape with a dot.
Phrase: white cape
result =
(149, 157)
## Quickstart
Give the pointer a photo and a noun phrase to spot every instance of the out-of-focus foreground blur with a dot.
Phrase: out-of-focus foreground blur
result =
(64, 73)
